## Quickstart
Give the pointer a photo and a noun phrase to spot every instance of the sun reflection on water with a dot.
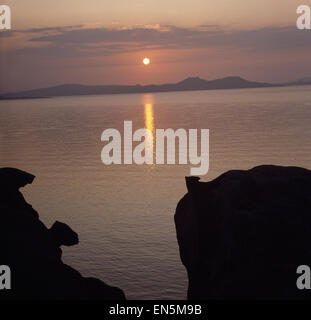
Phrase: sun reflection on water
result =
(149, 121)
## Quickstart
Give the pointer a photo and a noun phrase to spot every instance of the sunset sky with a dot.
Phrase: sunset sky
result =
(104, 42)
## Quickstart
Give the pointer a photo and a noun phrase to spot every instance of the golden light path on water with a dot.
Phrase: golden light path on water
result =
(149, 121)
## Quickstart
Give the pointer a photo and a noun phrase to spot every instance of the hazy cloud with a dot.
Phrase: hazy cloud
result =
(80, 40)
(273, 38)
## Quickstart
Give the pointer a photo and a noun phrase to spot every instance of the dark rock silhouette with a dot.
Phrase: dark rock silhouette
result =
(243, 235)
(32, 251)
(62, 234)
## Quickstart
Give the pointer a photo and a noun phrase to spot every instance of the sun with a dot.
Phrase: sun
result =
(146, 61)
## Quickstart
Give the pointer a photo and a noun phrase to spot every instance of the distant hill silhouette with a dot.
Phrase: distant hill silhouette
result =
(300, 82)
(192, 83)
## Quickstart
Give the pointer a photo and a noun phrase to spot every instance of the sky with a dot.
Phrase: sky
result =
(104, 42)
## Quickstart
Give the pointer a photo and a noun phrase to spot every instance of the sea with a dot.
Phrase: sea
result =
(124, 214)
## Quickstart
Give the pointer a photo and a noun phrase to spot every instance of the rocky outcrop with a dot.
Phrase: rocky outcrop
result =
(32, 251)
(243, 235)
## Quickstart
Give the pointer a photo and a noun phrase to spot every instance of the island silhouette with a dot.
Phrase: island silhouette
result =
(188, 84)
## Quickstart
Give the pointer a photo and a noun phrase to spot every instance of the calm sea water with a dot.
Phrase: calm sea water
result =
(124, 214)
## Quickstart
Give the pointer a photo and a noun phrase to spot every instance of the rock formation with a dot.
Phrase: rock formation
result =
(243, 235)
(32, 251)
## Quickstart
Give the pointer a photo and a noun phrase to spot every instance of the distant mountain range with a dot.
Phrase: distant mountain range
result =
(193, 83)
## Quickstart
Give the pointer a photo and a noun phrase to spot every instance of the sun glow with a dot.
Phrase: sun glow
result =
(146, 61)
